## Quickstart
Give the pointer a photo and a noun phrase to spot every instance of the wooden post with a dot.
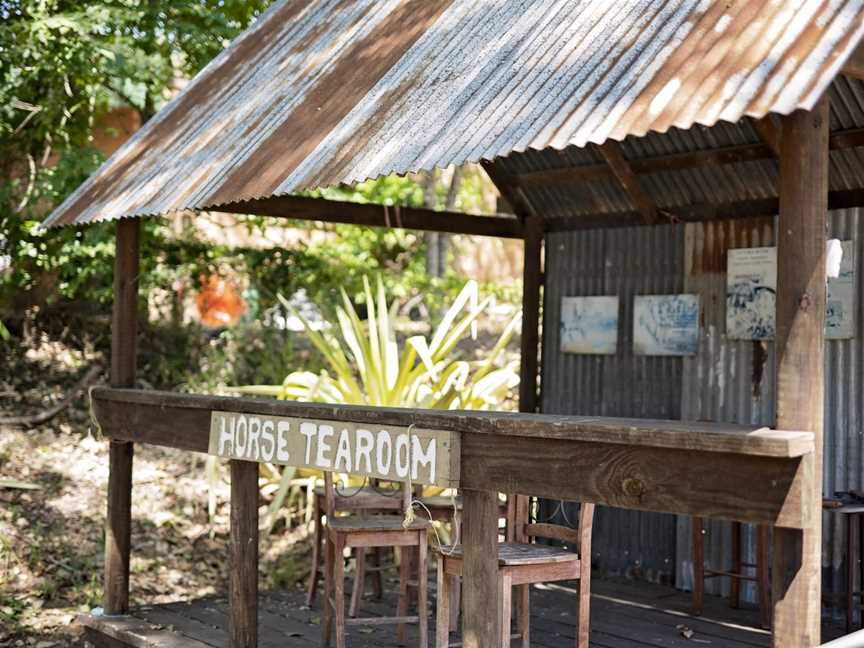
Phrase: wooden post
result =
(243, 581)
(124, 333)
(532, 274)
(800, 369)
(480, 626)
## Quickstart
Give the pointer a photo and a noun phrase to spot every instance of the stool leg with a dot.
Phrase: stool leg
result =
(698, 565)
(860, 566)
(442, 612)
(423, 590)
(455, 586)
(402, 605)
(327, 620)
(762, 575)
(339, 589)
(505, 597)
(523, 615)
(359, 578)
(735, 584)
(851, 557)
(377, 587)
(317, 537)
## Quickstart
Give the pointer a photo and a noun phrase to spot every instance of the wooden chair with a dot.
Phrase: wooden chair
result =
(522, 563)
(736, 571)
(364, 500)
(360, 532)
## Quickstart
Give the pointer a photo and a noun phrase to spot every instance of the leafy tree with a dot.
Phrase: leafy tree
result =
(63, 65)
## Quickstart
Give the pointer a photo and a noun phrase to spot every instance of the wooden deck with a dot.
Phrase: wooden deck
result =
(622, 615)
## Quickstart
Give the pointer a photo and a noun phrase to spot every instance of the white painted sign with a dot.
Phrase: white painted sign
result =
(386, 452)
(589, 325)
(840, 298)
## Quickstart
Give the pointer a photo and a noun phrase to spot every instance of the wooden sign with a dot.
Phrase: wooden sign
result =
(386, 452)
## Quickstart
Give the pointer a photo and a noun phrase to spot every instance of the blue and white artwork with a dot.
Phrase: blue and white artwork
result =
(666, 325)
(589, 325)
(751, 293)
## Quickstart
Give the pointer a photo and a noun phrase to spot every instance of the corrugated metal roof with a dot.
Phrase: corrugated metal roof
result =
(326, 92)
(680, 188)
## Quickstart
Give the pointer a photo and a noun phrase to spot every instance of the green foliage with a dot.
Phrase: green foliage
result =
(63, 64)
(365, 365)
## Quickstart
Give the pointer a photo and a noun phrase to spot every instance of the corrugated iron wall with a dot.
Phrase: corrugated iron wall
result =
(623, 262)
(726, 381)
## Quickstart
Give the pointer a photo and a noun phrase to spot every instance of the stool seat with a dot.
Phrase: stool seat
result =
(511, 554)
(357, 524)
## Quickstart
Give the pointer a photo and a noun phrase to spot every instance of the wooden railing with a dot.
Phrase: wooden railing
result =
(735, 472)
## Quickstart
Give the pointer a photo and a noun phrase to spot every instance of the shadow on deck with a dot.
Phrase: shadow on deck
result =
(622, 615)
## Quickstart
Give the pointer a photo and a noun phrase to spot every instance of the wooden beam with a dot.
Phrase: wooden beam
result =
(124, 334)
(842, 199)
(509, 189)
(707, 469)
(854, 66)
(480, 623)
(243, 579)
(372, 215)
(800, 343)
(183, 421)
(725, 486)
(675, 162)
(532, 277)
(768, 133)
(611, 152)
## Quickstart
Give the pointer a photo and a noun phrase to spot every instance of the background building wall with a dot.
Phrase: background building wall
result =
(727, 380)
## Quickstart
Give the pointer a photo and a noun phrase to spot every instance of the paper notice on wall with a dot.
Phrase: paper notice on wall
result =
(840, 298)
(751, 293)
(589, 325)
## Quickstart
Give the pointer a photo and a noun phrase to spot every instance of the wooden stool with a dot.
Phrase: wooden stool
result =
(521, 564)
(366, 499)
(736, 572)
(358, 532)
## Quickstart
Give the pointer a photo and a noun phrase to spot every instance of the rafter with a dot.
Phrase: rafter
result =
(611, 152)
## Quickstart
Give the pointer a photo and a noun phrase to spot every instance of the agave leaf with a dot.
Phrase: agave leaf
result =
(488, 362)
(450, 316)
(419, 344)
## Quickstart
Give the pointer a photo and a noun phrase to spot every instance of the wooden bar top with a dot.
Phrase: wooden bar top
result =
(151, 410)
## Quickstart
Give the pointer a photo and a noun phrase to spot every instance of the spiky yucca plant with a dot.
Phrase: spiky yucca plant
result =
(366, 366)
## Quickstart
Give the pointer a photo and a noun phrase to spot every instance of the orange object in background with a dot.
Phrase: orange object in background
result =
(218, 302)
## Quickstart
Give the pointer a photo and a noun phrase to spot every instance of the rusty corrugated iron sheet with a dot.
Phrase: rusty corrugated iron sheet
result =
(326, 92)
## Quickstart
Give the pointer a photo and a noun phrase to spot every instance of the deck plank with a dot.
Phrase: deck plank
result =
(623, 615)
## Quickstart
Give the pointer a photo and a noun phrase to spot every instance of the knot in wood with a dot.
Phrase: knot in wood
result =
(633, 487)
(804, 302)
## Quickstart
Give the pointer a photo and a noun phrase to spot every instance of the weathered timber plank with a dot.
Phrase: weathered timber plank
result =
(532, 277)
(124, 333)
(800, 344)
(184, 624)
(372, 215)
(480, 624)
(183, 421)
(712, 484)
(130, 631)
(243, 577)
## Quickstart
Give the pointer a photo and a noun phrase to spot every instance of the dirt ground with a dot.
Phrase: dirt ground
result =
(52, 509)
